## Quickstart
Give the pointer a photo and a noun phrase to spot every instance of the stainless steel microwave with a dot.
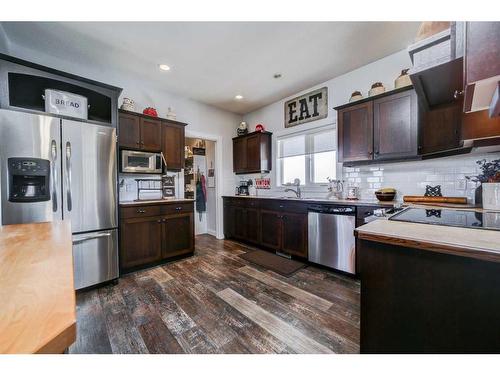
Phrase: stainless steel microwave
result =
(140, 162)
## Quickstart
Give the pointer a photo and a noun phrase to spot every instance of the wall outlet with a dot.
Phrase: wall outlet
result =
(461, 184)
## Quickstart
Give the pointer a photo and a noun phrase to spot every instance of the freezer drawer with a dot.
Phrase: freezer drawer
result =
(95, 257)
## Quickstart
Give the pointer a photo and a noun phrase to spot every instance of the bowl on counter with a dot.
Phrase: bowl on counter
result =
(385, 196)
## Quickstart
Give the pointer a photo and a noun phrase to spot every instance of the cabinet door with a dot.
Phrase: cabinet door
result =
(395, 126)
(240, 222)
(253, 225)
(440, 130)
(150, 134)
(356, 132)
(294, 230)
(228, 220)
(140, 241)
(173, 146)
(270, 229)
(178, 237)
(253, 153)
(130, 131)
(240, 155)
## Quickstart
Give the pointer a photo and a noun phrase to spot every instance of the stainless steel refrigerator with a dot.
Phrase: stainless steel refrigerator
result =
(57, 169)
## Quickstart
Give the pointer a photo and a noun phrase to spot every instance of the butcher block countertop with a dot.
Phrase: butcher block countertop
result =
(153, 202)
(474, 243)
(37, 296)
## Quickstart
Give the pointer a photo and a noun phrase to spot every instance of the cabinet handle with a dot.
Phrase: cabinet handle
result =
(178, 208)
(142, 143)
(159, 220)
(457, 93)
(376, 152)
(137, 142)
(141, 211)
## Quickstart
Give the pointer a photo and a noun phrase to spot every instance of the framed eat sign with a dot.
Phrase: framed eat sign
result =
(308, 107)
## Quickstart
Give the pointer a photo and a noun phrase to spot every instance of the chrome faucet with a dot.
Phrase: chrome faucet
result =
(297, 191)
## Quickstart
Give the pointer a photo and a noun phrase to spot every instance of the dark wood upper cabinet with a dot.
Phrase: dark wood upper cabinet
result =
(150, 134)
(294, 232)
(441, 129)
(395, 126)
(383, 127)
(355, 132)
(482, 66)
(130, 130)
(252, 153)
(142, 132)
(173, 145)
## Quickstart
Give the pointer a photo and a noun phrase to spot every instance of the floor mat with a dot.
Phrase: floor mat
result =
(273, 262)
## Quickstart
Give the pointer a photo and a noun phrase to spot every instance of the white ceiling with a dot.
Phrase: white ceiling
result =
(213, 61)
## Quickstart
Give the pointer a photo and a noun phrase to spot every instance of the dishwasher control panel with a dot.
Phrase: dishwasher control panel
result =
(329, 209)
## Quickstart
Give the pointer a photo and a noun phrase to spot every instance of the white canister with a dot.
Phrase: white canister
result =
(491, 196)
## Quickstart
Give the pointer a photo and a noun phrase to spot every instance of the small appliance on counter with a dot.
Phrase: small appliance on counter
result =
(352, 193)
(244, 188)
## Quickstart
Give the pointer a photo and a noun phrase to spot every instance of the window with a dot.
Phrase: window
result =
(309, 156)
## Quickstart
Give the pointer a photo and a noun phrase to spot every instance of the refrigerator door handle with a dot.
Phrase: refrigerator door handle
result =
(68, 175)
(53, 151)
(91, 237)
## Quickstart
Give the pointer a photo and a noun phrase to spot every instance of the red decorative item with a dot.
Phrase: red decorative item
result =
(259, 128)
(150, 111)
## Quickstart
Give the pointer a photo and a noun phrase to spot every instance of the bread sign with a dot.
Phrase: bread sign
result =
(305, 108)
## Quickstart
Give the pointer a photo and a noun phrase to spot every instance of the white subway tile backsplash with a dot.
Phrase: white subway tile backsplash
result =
(411, 178)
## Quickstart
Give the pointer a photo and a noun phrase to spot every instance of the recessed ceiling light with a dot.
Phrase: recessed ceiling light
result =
(164, 67)
(238, 97)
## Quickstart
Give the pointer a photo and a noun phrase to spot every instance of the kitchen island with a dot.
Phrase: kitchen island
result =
(428, 288)
(37, 309)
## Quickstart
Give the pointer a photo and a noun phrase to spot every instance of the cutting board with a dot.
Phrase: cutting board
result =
(423, 199)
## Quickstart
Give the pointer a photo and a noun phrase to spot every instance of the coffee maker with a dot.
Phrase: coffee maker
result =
(243, 188)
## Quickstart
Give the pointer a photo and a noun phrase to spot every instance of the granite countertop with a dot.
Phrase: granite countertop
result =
(38, 309)
(359, 202)
(151, 202)
(474, 243)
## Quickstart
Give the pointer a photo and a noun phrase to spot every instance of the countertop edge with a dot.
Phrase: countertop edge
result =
(445, 247)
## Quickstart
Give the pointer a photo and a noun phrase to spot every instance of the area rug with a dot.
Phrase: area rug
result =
(273, 262)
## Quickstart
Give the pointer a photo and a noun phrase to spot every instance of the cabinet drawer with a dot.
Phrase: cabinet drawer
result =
(286, 206)
(169, 209)
(139, 211)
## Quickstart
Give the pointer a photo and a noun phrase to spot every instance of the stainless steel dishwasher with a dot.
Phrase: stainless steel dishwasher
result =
(331, 236)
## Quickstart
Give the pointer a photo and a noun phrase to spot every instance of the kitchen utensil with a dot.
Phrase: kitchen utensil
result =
(352, 193)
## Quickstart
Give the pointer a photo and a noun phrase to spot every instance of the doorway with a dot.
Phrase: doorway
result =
(200, 183)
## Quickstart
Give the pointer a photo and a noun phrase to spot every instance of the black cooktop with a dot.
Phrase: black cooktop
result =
(450, 217)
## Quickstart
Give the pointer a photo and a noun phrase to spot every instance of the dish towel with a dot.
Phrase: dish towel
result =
(201, 205)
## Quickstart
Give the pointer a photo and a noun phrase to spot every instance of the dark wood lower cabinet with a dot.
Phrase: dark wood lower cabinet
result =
(294, 234)
(273, 225)
(145, 240)
(178, 235)
(141, 241)
(270, 234)
(419, 301)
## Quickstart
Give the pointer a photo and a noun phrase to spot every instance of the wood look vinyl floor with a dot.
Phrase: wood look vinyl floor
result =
(216, 302)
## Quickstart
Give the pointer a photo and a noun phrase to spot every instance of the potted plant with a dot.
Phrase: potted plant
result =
(489, 178)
